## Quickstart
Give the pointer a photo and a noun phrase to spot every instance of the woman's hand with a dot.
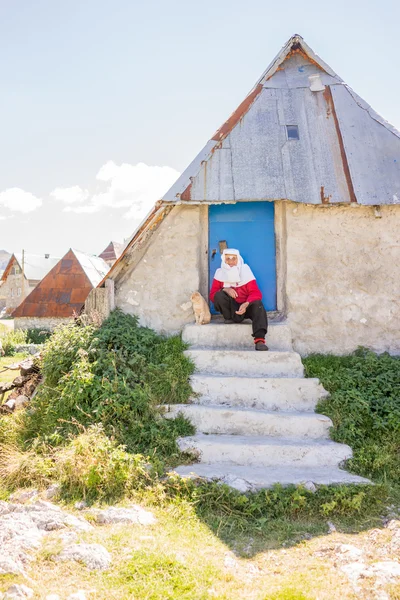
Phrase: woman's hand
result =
(231, 292)
(242, 308)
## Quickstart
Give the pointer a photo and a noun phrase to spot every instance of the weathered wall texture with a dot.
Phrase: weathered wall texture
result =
(49, 323)
(343, 278)
(14, 290)
(158, 289)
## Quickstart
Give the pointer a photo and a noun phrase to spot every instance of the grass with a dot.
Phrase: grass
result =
(96, 429)
(181, 557)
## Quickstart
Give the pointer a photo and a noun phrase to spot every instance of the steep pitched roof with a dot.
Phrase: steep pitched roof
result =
(352, 147)
(112, 252)
(63, 291)
(36, 266)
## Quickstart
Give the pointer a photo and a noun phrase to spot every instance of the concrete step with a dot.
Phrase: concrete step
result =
(260, 451)
(250, 422)
(274, 393)
(247, 478)
(246, 362)
(219, 335)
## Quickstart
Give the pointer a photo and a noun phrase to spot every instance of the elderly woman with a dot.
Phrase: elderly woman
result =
(236, 295)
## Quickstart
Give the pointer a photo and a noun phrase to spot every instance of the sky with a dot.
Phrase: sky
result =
(104, 103)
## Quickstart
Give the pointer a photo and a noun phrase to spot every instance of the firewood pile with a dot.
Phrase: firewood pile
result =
(23, 387)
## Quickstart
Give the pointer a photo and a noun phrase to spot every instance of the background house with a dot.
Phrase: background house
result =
(21, 276)
(62, 292)
(303, 178)
(112, 252)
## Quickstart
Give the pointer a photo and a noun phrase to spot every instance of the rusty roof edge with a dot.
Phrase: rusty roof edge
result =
(282, 55)
(156, 214)
(191, 170)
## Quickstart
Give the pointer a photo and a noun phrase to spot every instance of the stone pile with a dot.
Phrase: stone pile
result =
(22, 387)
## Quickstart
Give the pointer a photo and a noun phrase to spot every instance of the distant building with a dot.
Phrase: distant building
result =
(21, 276)
(112, 253)
(62, 292)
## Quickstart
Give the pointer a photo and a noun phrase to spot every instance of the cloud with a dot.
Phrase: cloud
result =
(133, 187)
(18, 200)
(70, 195)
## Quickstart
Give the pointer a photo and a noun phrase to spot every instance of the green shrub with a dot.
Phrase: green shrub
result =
(11, 338)
(37, 336)
(364, 405)
(116, 375)
(93, 467)
(278, 502)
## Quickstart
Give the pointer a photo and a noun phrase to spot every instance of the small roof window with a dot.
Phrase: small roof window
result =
(292, 132)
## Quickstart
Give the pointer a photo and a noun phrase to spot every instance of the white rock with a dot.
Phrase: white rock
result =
(134, 514)
(21, 402)
(348, 552)
(389, 570)
(241, 485)
(53, 491)
(53, 597)
(80, 505)
(310, 486)
(22, 496)
(22, 528)
(331, 526)
(8, 566)
(94, 556)
(79, 595)
(18, 591)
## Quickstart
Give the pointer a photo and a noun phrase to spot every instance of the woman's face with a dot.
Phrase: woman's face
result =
(231, 260)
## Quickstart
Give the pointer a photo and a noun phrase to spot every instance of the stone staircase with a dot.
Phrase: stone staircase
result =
(254, 412)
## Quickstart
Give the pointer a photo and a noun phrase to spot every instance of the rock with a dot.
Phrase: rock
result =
(23, 495)
(22, 528)
(53, 597)
(9, 405)
(388, 570)
(20, 380)
(21, 402)
(237, 483)
(348, 552)
(94, 556)
(18, 591)
(53, 491)
(8, 566)
(80, 505)
(310, 486)
(331, 527)
(79, 595)
(135, 514)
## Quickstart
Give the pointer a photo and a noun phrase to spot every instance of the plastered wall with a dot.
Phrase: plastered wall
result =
(338, 275)
(158, 289)
(343, 278)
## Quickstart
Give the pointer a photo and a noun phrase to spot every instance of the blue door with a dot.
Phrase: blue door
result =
(249, 227)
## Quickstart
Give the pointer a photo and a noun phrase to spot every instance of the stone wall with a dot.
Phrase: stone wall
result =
(159, 287)
(44, 323)
(13, 290)
(343, 278)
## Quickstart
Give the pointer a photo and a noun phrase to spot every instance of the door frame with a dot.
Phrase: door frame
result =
(280, 255)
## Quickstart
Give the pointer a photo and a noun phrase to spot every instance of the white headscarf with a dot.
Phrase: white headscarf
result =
(233, 276)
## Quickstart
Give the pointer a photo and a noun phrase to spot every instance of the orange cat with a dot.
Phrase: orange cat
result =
(200, 309)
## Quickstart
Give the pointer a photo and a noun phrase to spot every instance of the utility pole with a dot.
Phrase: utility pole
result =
(23, 275)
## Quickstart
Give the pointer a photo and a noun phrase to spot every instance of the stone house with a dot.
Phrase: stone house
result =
(21, 275)
(62, 292)
(303, 178)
